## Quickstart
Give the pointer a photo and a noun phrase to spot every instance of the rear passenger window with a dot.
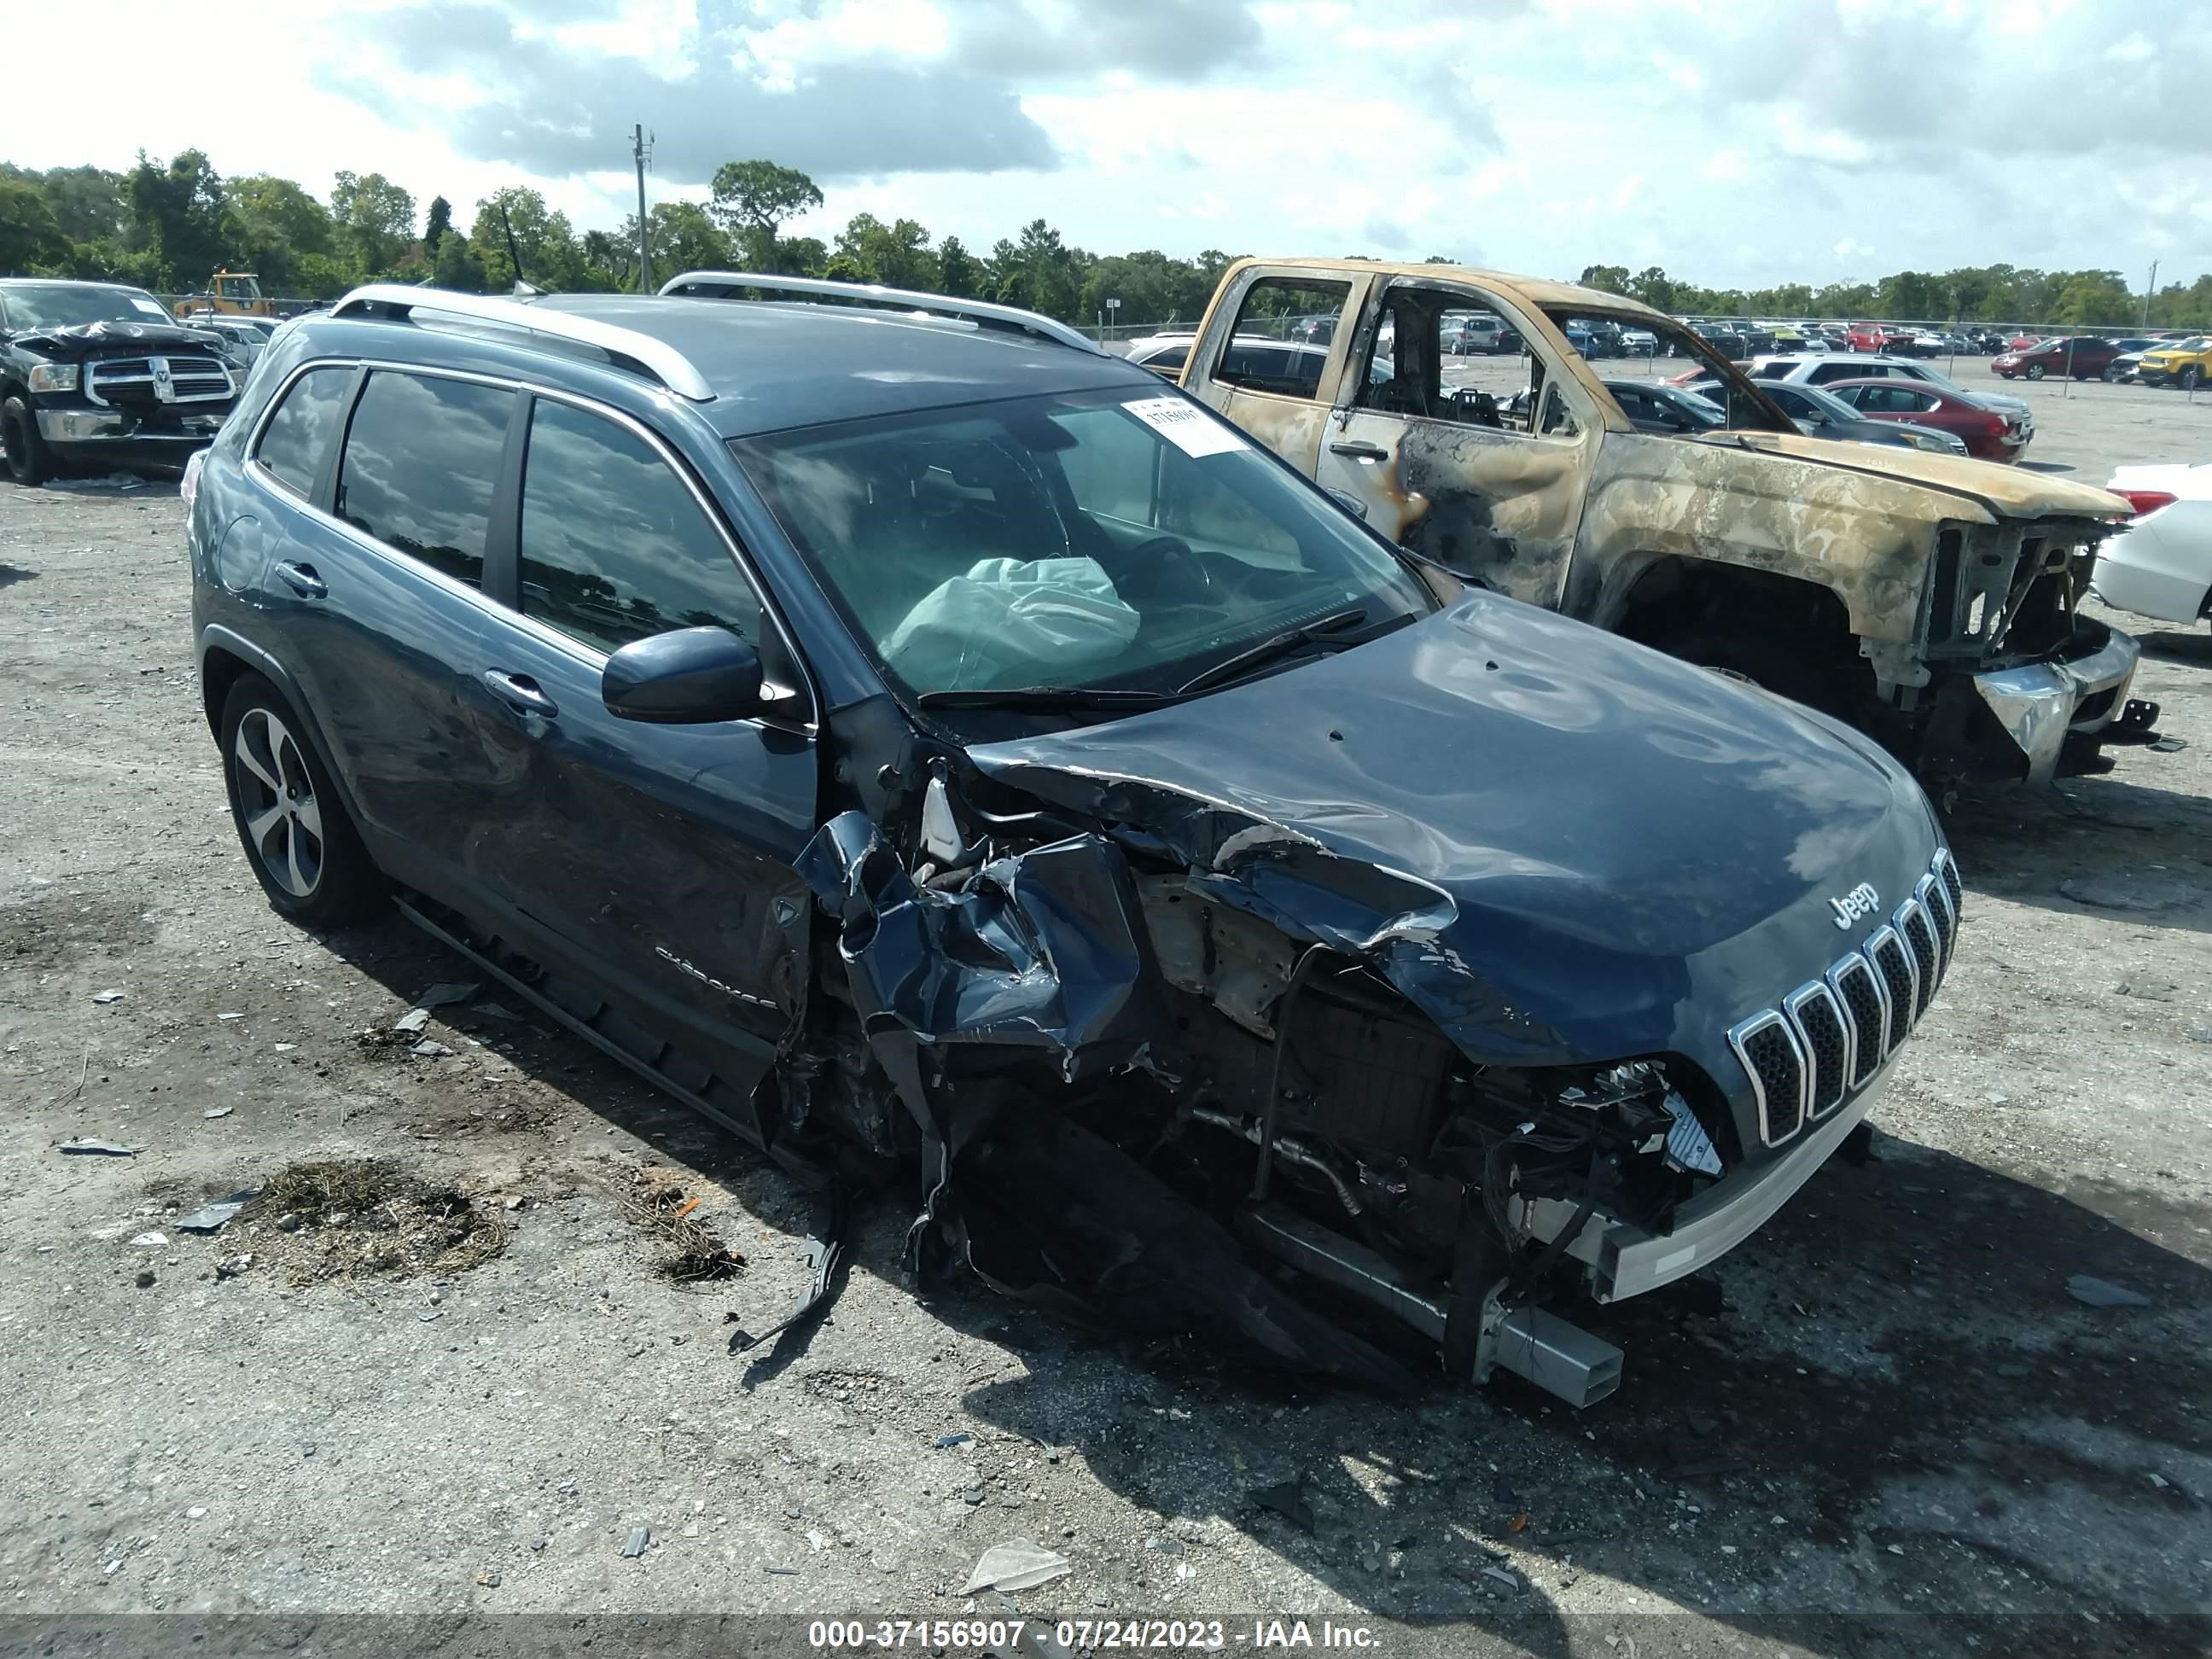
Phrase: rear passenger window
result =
(299, 434)
(615, 547)
(422, 462)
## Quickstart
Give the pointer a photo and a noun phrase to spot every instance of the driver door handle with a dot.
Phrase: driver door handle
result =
(1365, 451)
(521, 693)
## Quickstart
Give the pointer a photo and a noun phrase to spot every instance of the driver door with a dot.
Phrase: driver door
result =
(1493, 494)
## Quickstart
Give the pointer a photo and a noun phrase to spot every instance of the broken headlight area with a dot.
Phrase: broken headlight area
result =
(1136, 1103)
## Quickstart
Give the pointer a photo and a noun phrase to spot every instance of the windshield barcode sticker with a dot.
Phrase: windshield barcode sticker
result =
(1186, 426)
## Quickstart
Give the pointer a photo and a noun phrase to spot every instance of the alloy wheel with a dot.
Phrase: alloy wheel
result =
(283, 820)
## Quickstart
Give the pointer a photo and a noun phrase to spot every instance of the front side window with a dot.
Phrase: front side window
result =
(614, 547)
(1100, 541)
(421, 463)
(298, 435)
(1304, 314)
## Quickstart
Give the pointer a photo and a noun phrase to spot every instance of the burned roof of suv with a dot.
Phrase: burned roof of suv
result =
(775, 366)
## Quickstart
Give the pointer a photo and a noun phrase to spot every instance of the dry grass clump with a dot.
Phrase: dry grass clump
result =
(690, 1252)
(366, 1217)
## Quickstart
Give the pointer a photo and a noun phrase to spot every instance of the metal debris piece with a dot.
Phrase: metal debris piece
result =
(1018, 1565)
(413, 1020)
(2169, 746)
(639, 1538)
(944, 1440)
(2102, 1293)
(230, 1016)
(218, 1111)
(105, 997)
(782, 1572)
(103, 1148)
(151, 1241)
(209, 1216)
(439, 995)
(430, 1049)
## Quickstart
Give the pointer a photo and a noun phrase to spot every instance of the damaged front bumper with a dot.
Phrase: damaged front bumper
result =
(1626, 1260)
(2039, 705)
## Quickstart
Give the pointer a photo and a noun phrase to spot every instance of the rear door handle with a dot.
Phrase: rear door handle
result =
(303, 580)
(1364, 450)
(521, 693)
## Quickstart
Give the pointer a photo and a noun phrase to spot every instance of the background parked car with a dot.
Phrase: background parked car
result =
(1654, 406)
(1818, 415)
(2162, 564)
(1987, 434)
(2176, 362)
(1479, 334)
(1807, 369)
(2085, 356)
(1874, 339)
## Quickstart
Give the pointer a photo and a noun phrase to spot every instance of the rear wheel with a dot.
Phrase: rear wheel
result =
(28, 463)
(303, 847)
(2113, 372)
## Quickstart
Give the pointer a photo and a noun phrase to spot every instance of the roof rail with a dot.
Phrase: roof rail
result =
(1007, 320)
(626, 348)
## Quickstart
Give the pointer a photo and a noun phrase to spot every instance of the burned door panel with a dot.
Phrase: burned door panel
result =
(1456, 480)
(1272, 352)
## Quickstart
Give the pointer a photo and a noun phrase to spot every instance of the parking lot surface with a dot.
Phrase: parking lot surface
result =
(1887, 1403)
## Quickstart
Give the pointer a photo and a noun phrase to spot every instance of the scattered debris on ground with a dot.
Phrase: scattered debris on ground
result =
(210, 1218)
(355, 1217)
(99, 1148)
(690, 1250)
(1018, 1565)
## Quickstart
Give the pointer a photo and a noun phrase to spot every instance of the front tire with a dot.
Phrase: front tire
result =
(300, 840)
(2035, 371)
(28, 463)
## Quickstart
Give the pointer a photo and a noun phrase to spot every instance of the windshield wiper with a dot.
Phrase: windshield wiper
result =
(1328, 630)
(1042, 696)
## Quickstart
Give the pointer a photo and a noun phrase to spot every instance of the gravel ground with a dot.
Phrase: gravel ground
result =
(1886, 1405)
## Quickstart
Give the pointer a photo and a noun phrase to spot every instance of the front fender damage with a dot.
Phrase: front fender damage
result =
(1043, 956)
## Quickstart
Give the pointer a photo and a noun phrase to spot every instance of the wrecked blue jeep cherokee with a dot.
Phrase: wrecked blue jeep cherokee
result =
(946, 756)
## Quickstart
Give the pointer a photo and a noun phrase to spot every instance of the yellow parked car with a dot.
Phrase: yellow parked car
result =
(2177, 363)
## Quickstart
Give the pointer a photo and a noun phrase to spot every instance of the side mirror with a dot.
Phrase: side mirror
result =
(691, 676)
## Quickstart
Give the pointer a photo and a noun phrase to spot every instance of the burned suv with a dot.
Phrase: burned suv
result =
(95, 374)
(942, 754)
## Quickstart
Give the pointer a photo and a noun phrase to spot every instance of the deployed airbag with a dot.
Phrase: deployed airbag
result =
(1007, 614)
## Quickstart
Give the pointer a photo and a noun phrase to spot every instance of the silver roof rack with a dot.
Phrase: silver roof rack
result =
(625, 347)
(1010, 319)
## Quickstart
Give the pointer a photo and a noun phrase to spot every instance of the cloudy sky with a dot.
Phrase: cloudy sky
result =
(1729, 141)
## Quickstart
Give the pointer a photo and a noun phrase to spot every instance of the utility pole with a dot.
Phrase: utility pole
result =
(640, 151)
(2149, 288)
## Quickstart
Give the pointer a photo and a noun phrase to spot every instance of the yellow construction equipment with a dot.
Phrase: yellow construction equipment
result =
(229, 293)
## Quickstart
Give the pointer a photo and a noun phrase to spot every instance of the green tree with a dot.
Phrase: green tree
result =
(458, 267)
(374, 217)
(440, 222)
(683, 239)
(269, 223)
(2091, 297)
(801, 256)
(1607, 279)
(177, 215)
(28, 234)
(90, 204)
(958, 273)
(753, 200)
(898, 255)
(514, 224)
(1651, 286)
(1038, 272)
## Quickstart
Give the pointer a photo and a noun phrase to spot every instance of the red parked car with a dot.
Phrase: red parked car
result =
(2086, 357)
(1988, 435)
(1878, 338)
(2023, 342)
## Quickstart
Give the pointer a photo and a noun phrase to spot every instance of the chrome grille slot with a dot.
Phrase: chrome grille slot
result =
(1770, 1051)
(1919, 935)
(1937, 902)
(1867, 1007)
(1947, 870)
(1818, 1018)
(1894, 964)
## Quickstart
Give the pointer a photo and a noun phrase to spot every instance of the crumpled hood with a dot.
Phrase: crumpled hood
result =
(85, 339)
(1560, 844)
(2005, 491)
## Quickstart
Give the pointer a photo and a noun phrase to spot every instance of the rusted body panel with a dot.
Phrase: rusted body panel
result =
(1569, 505)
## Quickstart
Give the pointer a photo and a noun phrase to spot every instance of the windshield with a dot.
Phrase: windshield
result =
(1111, 541)
(62, 304)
